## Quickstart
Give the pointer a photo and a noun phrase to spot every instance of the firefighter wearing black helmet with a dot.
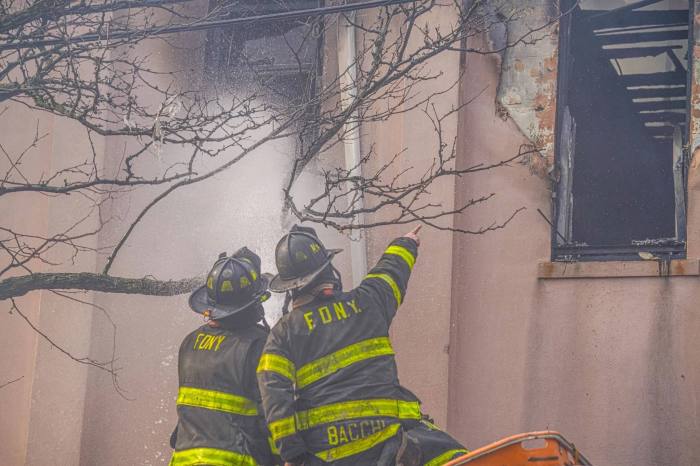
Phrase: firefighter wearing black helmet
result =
(218, 404)
(327, 375)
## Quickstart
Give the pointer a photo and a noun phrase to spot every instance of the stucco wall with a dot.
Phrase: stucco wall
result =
(490, 349)
(420, 332)
(181, 237)
(611, 363)
(42, 413)
(62, 413)
(18, 341)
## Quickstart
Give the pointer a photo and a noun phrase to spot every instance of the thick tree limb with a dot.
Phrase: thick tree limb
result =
(19, 286)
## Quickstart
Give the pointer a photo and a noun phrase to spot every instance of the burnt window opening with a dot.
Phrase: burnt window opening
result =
(278, 60)
(622, 130)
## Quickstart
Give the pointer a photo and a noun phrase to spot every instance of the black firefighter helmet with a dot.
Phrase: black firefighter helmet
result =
(234, 285)
(300, 257)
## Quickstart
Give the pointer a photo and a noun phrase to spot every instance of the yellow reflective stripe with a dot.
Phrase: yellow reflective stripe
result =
(282, 427)
(276, 363)
(336, 412)
(210, 456)
(404, 253)
(327, 365)
(392, 284)
(357, 409)
(358, 446)
(445, 457)
(219, 401)
(273, 446)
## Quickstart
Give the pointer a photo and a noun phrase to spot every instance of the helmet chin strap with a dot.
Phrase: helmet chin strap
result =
(287, 302)
(338, 283)
(261, 316)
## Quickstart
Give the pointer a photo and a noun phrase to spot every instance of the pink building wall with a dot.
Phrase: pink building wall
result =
(489, 347)
(610, 362)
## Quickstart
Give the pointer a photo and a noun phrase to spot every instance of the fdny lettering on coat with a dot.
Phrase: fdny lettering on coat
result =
(339, 434)
(333, 312)
(208, 342)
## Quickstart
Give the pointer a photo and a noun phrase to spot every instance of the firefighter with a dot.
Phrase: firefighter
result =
(327, 375)
(218, 405)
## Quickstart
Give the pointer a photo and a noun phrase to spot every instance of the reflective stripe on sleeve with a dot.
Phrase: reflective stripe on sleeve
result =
(273, 446)
(344, 357)
(219, 401)
(276, 363)
(210, 456)
(337, 412)
(282, 428)
(404, 253)
(390, 281)
(445, 457)
(358, 446)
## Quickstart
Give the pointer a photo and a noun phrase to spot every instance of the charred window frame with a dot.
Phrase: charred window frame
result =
(281, 58)
(622, 131)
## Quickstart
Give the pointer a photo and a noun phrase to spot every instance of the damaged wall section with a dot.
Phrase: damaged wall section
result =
(631, 57)
(528, 80)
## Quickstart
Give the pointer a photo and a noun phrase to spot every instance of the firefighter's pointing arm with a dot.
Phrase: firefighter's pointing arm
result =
(386, 284)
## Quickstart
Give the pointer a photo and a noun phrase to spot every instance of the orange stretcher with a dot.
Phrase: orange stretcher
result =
(546, 448)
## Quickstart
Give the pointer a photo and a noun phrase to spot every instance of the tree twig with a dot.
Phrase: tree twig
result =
(5, 384)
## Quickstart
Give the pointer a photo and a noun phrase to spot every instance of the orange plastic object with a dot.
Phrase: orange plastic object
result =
(546, 448)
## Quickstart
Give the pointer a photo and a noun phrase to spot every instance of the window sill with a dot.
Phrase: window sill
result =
(618, 269)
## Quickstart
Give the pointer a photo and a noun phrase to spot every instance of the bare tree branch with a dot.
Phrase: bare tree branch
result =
(104, 366)
(174, 131)
(5, 384)
(19, 286)
(111, 363)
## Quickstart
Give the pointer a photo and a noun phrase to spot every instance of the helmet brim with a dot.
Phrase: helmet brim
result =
(200, 304)
(280, 285)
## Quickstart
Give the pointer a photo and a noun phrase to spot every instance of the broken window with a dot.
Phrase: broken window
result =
(283, 53)
(278, 60)
(622, 130)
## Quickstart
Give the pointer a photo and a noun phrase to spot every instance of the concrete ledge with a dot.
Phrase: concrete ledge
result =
(618, 269)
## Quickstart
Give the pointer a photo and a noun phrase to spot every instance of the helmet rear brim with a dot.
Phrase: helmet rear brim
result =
(280, 285)
(200, 303)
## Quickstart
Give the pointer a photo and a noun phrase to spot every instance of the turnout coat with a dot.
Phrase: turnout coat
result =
(218, 405)
(327, 375)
